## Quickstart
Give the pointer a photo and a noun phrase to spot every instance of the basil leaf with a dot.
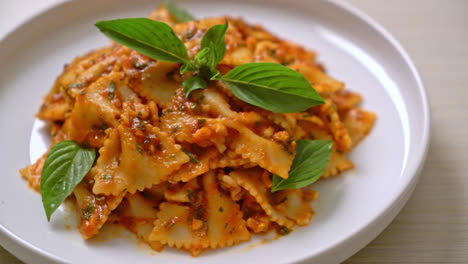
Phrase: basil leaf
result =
(271, 86)
(180, 14)
(203, 60)
(312, 157)
(197, 65)
(193, 83)
(214, 39)
(148, 37)
(65, 166)
(203, 57)
(188, 67)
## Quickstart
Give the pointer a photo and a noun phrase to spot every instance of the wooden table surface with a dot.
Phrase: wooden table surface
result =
(433, 226)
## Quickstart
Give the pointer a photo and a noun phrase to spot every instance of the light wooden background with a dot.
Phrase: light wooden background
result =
(433, 226)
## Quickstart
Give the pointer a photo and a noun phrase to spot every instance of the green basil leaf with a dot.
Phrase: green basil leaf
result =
(271, 86)
(203, 57)
(312, 157)
(187, 67)
(214, 39)
(202, 61)
(179, 13)
(151, 38)
(65, 166)
(193, 83)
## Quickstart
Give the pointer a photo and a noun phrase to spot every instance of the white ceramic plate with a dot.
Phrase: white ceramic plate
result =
(353, 208)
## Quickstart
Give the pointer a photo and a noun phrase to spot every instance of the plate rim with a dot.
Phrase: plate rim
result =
(388, 214)
(377, 223)
(380, 221)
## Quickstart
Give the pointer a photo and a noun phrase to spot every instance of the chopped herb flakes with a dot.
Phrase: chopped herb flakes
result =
(138, 124)
(103, 126)
(284, 231)
(201, 121)
(189, 35)
(175, 129)
(111, 89)
(198, 213)
(75, 85)
(194, 105)
(138, 65)
(87, 212)
(191, 156)
(170, 224)
(190, 195)
(139, 148)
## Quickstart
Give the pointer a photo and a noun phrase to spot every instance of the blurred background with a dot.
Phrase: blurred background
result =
(433, 226)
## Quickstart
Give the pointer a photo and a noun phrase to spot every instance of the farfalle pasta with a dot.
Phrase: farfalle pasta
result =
(193, 172)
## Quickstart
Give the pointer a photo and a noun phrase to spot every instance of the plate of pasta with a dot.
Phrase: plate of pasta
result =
(204, 132)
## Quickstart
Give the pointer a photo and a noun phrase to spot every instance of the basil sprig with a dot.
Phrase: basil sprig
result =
(214, 42)
(271, 86)
(312, 157)
(212, 50)
(65, 166)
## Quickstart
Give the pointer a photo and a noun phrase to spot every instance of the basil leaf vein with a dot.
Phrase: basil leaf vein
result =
(271, 86)
(65, 166)
(151, 38)
(312, 157)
